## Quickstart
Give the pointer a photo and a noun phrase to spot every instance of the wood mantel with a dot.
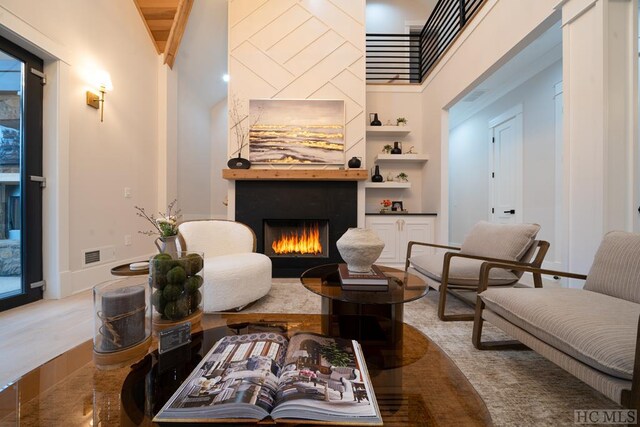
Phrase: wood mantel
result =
(295, 174)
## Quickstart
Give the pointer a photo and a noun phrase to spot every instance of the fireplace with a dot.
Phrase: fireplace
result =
(296, 238)
(285, 210)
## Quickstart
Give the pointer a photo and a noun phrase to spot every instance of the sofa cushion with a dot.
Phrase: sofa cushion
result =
(616, 268)
(594, 328)
(462, 271)
(504, 241)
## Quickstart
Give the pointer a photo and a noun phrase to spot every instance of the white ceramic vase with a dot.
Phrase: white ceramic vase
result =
(360, 248)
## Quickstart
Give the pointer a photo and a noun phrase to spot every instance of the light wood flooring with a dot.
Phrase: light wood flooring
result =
(36, 333)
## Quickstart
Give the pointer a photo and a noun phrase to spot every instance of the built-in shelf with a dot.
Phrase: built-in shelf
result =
(296, 174)
(387, 130)
(388, 184)
(418, 158)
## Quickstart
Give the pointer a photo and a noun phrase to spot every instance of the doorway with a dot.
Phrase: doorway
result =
(21, 181)
(506, 163)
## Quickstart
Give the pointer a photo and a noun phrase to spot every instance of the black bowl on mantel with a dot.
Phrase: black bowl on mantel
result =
(238, 163)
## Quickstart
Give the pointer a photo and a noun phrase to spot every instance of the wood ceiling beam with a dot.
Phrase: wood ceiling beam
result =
(165, 21)
(177, 31)
(146, 25)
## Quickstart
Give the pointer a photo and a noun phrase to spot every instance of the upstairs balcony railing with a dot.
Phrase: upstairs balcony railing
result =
(408, 58)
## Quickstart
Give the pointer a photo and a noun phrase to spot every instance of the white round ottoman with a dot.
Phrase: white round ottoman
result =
(233, 281)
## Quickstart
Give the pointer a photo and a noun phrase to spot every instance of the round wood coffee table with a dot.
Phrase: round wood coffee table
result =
(415, 382)
(388, 303)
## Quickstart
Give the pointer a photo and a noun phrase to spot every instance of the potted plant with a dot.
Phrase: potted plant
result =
(387, 148)
(401, 121)
(403, 177)
(335, 355)
(386, 204)
(166, 227)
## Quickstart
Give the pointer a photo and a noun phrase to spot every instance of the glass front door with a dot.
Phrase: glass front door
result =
(21, 180)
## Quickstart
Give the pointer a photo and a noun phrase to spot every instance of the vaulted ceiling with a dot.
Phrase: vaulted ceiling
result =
(165, 21)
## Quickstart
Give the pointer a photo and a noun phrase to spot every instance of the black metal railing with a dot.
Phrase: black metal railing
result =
(393, 57)
(408, 58)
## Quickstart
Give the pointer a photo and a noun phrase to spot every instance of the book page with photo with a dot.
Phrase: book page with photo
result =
(254, 376)
(325, 378)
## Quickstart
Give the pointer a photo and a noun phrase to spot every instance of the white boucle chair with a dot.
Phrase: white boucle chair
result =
(234, 274)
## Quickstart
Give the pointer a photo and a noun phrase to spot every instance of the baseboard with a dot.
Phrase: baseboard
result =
(81, 280)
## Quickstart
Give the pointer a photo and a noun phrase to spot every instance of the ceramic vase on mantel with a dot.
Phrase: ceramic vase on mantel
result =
(167, 245)
(360, 248)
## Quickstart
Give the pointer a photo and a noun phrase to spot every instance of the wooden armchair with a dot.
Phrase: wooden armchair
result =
(458, 272)
(593, 332)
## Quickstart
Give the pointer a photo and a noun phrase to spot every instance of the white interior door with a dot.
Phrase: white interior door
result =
(506, 162)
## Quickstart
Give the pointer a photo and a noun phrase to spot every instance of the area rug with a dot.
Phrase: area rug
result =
(520, 388)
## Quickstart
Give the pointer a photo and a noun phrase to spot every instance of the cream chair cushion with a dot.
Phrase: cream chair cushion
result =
(616, 268)
(504, 241)
(217, 237)
(233, 281)
(462, 271)
(597, 329)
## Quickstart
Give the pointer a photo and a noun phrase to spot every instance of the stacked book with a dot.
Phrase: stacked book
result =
(373, 280)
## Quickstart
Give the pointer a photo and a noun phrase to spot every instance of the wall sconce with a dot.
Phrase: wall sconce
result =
(102, 81)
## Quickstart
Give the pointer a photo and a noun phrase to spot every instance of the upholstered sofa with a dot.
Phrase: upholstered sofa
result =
(337, 380)
(590, 332)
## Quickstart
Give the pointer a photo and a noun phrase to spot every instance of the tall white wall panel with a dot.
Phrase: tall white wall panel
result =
(300, 49)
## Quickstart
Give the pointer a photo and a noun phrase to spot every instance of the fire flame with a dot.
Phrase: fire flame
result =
(306, 241)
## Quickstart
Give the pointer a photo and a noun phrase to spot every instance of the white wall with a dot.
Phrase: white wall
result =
(96, 160)
(599, 43)
(219, 159)
(390, 16)
(200, 65)
(469, 150)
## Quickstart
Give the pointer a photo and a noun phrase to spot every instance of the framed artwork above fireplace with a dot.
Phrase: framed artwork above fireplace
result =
(296, 131)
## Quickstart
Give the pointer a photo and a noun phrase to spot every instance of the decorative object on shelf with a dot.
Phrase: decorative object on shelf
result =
(122, 321)
(396, 148)
(297, 131)
(401, 121)
(166, 226)
(238, 163)
(411, 150)
(386, 204)
(388, 123)
(360, 247)
(241, 133)
(387, 149)
(375, 176)
(396, 206)
(403, 177)
(176, 283)
(389, 177)
(354, 162)
(374, 121)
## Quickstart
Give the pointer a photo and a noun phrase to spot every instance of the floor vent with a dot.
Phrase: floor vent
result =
(95, 256)
(91, 257)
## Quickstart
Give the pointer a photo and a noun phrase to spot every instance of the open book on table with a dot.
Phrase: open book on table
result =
(310, 377)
